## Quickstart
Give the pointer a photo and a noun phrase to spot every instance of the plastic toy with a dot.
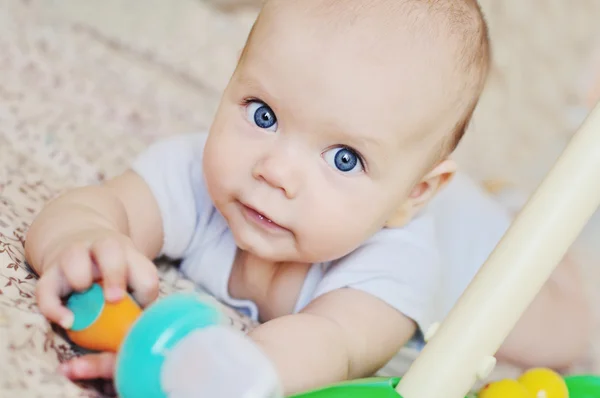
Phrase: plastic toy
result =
(456, 356)
(535, 383)
(167, 339)
(583, 386)
(98, 325)
(544, 383)
(504, 389)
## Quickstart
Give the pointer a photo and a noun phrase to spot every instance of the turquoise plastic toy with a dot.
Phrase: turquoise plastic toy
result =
(180, 346)
(157, 331)
(146, 337)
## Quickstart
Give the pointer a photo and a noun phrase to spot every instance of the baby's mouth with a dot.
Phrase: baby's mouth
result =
(262, 217)
(259, 218)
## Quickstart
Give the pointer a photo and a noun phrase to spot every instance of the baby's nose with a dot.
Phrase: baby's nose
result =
(281, 171)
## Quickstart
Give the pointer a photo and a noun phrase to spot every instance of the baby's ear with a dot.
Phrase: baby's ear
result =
(423, 192)
(432, 183)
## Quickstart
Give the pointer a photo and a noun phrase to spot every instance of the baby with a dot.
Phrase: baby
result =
(322, 200)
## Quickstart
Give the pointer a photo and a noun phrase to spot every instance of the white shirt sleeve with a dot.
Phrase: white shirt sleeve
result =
(172, 169)
(399, 266)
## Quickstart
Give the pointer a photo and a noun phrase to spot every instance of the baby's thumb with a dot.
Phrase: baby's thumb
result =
(49, 290)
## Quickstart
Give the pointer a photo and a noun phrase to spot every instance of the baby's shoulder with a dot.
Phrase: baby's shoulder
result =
(400, 266)
(175, 159)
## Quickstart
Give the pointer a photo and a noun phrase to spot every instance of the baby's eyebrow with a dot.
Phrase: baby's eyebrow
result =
(249, 83)
(365, 142)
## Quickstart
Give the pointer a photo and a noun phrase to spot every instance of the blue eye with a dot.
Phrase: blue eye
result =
(344, 159)
(262, 115)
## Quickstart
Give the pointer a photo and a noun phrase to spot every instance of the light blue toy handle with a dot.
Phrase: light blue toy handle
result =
(160, 327)
(218, 361)
(182, 346)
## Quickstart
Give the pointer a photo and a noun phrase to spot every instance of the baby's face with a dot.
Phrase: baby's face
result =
(320, 137)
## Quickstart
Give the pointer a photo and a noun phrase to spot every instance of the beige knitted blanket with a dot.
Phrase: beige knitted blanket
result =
(84, 86)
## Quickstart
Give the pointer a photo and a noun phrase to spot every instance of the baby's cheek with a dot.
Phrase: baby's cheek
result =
(330, 239)
(220, 162)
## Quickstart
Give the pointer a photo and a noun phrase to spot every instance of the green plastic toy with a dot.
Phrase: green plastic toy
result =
(579, 386)
(583, 386)
(375, 387)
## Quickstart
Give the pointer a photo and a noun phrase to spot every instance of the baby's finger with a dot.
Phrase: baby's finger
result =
(92, 366)
(49, 290)
(108, 255)
(143, 277)
(76, 266)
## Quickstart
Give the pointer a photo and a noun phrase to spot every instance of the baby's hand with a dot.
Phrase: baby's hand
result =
(79, 260)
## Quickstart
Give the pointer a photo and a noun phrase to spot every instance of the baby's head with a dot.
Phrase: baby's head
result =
(339, 119)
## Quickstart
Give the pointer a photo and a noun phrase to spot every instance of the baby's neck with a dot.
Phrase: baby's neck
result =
(273, 286)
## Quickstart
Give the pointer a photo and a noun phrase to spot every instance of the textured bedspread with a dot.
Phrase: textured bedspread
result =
(84, 86)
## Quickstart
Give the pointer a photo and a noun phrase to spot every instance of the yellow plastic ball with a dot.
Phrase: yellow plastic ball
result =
(504, 389)
(544, 383)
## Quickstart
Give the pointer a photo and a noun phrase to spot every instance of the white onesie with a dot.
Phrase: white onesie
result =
(420, 269)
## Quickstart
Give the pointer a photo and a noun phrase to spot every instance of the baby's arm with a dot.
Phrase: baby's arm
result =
(341, 335)
(555, 330)
(109, 230)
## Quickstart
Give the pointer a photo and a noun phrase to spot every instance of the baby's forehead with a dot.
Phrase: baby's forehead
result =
(370, 20)
(423, 19)
(388, 39)
(367, 74)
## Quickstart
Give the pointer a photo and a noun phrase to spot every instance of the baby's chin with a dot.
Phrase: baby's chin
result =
(286, 255)
(295, 247)
(262, 248)
(273, 253)
(280, 252)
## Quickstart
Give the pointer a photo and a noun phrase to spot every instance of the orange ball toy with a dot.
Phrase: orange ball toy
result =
(98, 324)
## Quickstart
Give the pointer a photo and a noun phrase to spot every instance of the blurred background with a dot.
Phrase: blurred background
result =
(85, 85)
